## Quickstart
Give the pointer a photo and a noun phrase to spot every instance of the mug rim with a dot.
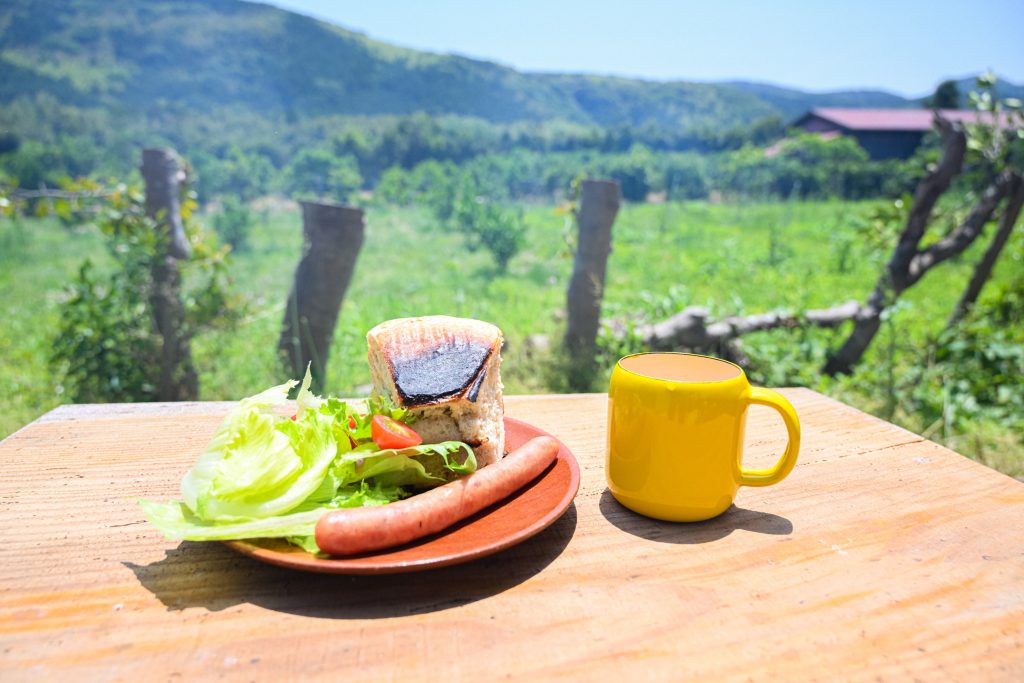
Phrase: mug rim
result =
(619, 365)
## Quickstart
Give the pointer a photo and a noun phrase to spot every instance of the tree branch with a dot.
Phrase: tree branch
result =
(963, 236)
(931, 187)
(897, 275)
(983, 270)
(689, 328)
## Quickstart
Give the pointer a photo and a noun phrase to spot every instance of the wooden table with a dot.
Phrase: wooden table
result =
(882, 557)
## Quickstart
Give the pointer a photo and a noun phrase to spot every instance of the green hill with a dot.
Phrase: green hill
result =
(243, 89)
(792, 103)
(207, 55)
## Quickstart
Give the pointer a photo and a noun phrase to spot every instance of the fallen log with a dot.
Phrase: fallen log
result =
(690, 328)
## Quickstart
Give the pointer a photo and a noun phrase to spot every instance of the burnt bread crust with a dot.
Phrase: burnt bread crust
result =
(447, 372)
(435, 359)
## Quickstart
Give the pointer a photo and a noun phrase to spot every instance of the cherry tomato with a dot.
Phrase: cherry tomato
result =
(351, 423)
(389, 433)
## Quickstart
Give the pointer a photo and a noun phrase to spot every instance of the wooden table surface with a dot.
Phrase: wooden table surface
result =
(882, 557)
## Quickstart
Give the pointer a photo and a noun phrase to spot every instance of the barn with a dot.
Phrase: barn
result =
(883, 133)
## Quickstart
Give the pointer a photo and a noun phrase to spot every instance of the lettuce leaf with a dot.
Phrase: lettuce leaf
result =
(261, 464)
(267, 476)
(177, 522)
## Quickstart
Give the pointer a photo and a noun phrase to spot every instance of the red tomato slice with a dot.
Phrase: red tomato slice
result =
(389, 433)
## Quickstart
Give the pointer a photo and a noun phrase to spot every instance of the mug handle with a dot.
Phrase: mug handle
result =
(779, 471)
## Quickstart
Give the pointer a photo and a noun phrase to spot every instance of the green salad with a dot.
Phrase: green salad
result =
(265, 475)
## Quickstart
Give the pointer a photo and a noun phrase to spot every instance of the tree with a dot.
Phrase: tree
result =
(991, 148)
(488, 225)
(121, 335)
(983, 270)
(320, 173)
(946, 96)
(993, 152)
(239, 174)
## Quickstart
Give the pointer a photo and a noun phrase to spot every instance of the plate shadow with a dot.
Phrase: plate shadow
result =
(692, 532)
(212, 576)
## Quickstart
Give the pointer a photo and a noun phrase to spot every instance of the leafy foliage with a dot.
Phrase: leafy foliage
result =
(946, 96)
(320, 174)
(486, 224)
(107, 348)
(233, 224)
(87, 82)
(977, 367)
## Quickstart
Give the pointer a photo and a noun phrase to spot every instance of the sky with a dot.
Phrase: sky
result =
(905, 47)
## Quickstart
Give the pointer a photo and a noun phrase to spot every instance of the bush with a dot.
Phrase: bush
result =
(320, 174)
(242, 175)
(977, 368)
(635, 172)
(107, 347)
(394, 187)
(685, 176)
(485, 223)
(233, 224)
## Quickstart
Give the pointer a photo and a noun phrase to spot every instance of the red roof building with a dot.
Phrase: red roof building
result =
(884, 133)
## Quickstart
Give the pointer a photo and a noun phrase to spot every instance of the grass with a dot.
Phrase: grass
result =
(37, 257)
(730, 258)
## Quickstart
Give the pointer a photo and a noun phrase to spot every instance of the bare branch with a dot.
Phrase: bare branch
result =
(689, 328)
(907, 263)
(983, 270)
(928, 191)
(963, 236)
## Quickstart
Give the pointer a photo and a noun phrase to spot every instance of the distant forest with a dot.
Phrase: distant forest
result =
(261, 100)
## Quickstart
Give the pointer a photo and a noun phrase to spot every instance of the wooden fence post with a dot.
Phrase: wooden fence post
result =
(599, 203)
(164, 173)
(333, 235)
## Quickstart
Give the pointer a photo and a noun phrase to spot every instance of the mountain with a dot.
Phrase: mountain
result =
(1003, 89)
(793, 103)
(205, 56)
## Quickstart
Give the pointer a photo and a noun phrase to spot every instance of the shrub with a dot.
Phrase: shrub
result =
(319, 173)
(233, 224)
(489, 226)
(107, 347)
(486, 224)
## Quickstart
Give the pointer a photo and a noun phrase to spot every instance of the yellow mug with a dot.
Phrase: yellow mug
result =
(675, 435)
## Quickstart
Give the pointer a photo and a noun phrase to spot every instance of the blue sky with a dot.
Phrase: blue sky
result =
(905, 47)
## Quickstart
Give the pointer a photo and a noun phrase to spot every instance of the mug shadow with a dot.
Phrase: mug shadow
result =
(212, 576)
(692, 532)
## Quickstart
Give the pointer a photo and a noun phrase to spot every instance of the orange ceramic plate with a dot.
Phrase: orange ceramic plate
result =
(513, 520)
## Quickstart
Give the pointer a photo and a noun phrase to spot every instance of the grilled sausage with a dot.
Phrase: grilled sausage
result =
(359, 530)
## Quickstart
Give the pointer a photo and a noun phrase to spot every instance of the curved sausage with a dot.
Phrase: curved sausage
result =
(359, 530)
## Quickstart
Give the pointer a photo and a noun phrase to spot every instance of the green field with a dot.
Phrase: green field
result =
(742, 258)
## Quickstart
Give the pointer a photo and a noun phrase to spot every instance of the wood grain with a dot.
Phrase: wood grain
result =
(882, 557)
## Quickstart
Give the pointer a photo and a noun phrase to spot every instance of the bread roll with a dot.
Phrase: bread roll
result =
(446, 372)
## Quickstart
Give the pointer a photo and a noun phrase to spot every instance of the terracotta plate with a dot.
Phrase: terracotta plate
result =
(513, 520)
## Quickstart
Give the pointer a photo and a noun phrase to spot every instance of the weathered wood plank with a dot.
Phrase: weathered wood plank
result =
(882, 556)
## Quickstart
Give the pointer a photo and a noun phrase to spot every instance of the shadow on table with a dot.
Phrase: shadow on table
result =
(692, 532)
(213, 576)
